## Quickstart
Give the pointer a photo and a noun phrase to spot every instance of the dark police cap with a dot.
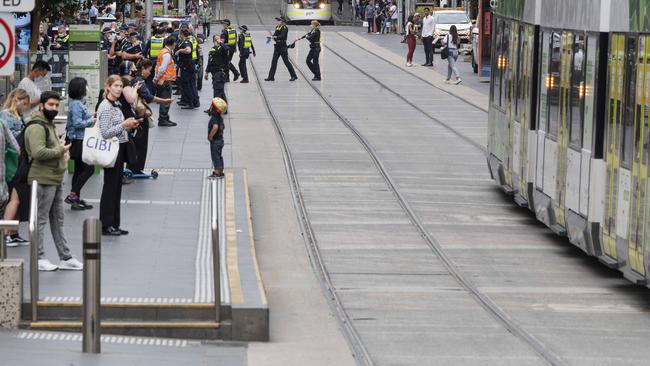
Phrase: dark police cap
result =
(134, 34)
(243, 27)
(281, 19)
(107, 30)
(124, 27)
(226, 21)
(131, 25)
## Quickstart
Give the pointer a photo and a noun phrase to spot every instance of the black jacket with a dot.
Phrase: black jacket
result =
(218, 59)
(280, 36)
(314, 38)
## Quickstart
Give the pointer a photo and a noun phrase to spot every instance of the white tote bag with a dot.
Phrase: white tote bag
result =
(98, 150)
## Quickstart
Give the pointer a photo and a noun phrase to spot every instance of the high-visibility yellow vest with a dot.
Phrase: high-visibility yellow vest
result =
(232, 36)
(195, 45)
(247, 40)
(155, 46)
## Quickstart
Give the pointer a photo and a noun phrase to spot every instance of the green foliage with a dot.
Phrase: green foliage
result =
(639, 16)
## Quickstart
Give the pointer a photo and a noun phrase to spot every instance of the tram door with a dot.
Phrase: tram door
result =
(639, 205)
(611, 224)
(559, 204)
(522, 100)
(514, 129)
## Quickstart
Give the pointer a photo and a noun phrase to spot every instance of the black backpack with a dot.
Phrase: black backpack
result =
(24, 162)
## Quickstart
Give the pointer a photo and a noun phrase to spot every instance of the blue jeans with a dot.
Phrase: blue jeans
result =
(216, 147)
(451, 63)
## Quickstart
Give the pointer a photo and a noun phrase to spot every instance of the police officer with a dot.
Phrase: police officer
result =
(280, 50)
(229, 37)
(152, 49)
(245, 45)
(132, 49)
(116, 50)
(314, 49)
(61, 40)
(189, 95)
(217, 66)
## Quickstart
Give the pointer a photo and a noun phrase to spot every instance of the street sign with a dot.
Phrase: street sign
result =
(7, 44)
(17, 6)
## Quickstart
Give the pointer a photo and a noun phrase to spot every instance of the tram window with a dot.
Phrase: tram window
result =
(643, 51)
(554, 84)
(519, 87)
(496, 71)
(589, 94)
(630, 94)
(544, 82)
(577, 90)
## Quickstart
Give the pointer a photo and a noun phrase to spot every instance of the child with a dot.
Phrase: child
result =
(215, 135)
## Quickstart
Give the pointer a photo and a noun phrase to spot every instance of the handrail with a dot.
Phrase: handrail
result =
(216, 189)
(33, 259)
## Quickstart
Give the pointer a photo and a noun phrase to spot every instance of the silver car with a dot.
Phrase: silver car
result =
(444, 19)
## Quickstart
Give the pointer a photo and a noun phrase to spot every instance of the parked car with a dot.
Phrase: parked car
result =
(444, 19)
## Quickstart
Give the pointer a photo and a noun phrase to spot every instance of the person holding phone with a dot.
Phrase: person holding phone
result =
(113, 124)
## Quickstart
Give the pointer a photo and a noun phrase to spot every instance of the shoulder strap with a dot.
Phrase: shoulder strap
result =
(37, 122)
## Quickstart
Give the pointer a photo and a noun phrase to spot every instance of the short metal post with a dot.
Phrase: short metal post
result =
(215, 196)
(33, 254)
(92, 240)
(3, 247)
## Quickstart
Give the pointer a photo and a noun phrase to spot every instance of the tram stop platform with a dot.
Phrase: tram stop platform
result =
(158, 280)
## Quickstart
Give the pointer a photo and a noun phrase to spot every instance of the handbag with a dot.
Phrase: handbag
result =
(98, 150)
(11, 163)
(365, 24)
(444, 53)
(142, 109)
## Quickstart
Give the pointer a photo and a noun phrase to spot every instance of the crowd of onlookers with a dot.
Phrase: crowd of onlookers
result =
(381, 15)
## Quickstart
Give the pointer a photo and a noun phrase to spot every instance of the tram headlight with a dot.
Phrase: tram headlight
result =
(296, 5)
(582, 90)
(321, 5)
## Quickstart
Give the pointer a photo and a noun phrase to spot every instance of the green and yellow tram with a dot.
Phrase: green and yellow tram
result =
(568, 121)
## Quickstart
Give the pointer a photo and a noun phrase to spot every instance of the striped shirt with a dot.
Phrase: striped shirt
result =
(110, 120)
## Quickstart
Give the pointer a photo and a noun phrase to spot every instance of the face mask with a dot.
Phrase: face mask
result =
(50, 114)
(39, 79)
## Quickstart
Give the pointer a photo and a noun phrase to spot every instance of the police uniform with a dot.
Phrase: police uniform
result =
(245, 45)
(189, 94)
(280, 50)
(229, 37)
(153, 48)
(314, 51)
(218, 66)
(62, 41)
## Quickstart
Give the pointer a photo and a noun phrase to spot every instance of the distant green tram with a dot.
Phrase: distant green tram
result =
(569, 133)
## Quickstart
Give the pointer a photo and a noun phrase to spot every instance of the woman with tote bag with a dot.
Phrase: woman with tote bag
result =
(112, 124)
(451, 42)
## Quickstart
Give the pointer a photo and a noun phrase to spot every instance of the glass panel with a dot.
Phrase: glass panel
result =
(589, 98)
(577, 90)
(544, 83)
(630, 94)
(496, 71)
(646, 102)
(505, 49)
(554, 84)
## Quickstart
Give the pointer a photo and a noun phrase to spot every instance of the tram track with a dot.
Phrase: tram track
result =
(490, 306)
(410, 73)
(359, 350)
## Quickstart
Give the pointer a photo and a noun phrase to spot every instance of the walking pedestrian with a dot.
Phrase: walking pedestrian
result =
(280, 50)
(165, 74)
(78, 120)
(427, 37)
(205, 17)
(410, 40)
(451, 43)
(16, 104)
(370, 17)
(339, 10)
(216, 126)
(48, 164)
(245, 45)
(112, 124)
(314, 49)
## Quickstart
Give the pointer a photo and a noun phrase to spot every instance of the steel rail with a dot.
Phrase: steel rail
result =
(490, 306)
(412, 74)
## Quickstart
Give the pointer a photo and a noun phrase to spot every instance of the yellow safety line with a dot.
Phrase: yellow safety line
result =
(236, 294)
(110, 324)
(258, 275)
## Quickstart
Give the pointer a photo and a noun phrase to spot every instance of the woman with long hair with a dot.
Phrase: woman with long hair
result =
(112, 124)
(410, 40)
(78, 120)
(16, 104)
(451, 42)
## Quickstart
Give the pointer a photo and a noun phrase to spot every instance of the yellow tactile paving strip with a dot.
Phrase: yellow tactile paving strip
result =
(249, 215)
(236, 294)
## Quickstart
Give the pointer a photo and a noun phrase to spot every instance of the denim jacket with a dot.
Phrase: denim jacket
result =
(14, 123)
(78, 119)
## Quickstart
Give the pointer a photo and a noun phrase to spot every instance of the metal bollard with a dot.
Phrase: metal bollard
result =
(216, 188)
(92, 240)
(33, 253)
(3, 247)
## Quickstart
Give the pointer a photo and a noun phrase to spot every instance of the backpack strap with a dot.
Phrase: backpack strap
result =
(34, 122)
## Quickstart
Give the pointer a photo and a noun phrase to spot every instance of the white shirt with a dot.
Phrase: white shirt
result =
(32, 90)
(427, 26)
(393, 11)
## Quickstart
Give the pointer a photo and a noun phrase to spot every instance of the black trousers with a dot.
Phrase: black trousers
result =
(231, 67)
(218, 85)
(109, 204)
(242, 66)
(164, 91)
(82, 171)
(189, 93)
(277, 53)
(141, 140)
(428, 49)
(206, 29)
(312, 61)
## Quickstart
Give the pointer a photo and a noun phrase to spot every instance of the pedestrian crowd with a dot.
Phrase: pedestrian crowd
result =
(380, 15)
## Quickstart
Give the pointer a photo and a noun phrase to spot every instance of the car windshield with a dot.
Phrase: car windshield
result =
(451, 18)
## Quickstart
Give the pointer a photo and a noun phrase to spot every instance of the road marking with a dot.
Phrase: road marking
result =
(150, 202)
(66, 337)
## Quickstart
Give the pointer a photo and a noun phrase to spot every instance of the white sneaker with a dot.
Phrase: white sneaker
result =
(15, 241)
(71, 264)
(46, 265)
(458, 81)
(9, 242)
